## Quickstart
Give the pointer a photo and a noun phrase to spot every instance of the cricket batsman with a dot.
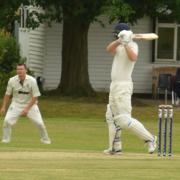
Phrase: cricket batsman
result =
(118, 114)
(24, 92)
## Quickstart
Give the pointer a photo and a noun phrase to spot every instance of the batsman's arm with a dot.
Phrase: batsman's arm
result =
(4, 104)
(130, 53)
(111, 48)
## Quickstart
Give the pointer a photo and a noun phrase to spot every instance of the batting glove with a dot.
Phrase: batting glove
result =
(125, 36)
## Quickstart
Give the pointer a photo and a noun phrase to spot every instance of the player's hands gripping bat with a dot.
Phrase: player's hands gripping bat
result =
(125, 36)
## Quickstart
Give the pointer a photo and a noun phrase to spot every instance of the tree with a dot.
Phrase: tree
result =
(8, 13)
(77, 15)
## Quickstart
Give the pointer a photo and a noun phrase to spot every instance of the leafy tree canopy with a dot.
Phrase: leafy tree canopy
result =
(88, 11)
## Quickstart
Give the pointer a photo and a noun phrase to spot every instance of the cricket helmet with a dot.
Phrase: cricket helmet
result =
(120, 27)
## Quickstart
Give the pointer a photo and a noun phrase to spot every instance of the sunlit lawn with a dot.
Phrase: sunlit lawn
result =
(78, 131)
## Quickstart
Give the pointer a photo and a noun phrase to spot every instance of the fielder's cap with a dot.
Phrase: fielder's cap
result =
(121, 26)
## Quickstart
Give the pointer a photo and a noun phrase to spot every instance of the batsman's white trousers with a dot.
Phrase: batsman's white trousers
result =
(120, 103)
(14, 112)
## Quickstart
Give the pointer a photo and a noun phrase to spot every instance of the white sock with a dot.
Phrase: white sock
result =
(6, 131)
(43, 132)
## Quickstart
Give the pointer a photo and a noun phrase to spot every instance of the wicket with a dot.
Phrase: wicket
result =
(166, 112)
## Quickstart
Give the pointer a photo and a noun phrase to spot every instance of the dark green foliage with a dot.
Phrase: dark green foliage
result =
(9, 53)
(9, 13)
(87, 11)
(9, 57)
(132, 10)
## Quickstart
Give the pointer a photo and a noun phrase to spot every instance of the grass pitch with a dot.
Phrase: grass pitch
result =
(79, 135)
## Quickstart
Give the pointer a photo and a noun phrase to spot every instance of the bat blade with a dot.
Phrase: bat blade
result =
(145, 36)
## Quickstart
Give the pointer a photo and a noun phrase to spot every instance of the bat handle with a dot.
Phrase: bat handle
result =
(137, 36)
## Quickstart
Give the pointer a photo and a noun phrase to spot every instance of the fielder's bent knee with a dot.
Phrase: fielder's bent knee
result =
(123, 120)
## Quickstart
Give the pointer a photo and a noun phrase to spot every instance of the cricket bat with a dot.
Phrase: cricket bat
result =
(145, 36)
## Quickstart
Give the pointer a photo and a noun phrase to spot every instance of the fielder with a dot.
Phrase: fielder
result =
(24, 92)
(118, 114)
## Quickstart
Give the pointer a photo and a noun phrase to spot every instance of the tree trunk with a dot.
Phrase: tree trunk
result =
(74, 75)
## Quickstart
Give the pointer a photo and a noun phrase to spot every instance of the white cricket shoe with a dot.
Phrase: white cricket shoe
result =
(112, 152)
(5, 141)
(152, 145)
(46, 141)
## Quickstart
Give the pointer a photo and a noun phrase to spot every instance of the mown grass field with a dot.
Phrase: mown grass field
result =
(78, 131)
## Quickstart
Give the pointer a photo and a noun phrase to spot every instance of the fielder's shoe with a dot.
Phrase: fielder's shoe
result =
(112, 152)
(46, 141)
(152, 145)
(5, 141)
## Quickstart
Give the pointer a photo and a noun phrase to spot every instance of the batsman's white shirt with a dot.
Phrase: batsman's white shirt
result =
(122, 67)
(121, 87)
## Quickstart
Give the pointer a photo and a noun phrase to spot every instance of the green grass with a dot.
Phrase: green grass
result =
(79, 134)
